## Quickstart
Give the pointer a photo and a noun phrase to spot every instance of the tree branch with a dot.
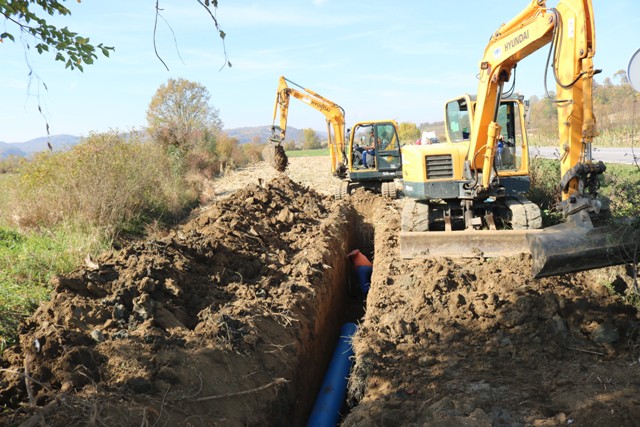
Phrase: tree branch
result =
(220, 32)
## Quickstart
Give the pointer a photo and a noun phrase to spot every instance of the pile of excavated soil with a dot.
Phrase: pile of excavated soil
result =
(221, 322)
(481, 343)
(228, 321)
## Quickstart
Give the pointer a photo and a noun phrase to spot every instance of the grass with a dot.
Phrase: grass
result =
(308, 153)
(28, 260)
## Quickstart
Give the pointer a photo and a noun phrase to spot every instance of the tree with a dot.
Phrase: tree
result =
(180, 115)
(289, 145)
(310, 140)
(408, 132)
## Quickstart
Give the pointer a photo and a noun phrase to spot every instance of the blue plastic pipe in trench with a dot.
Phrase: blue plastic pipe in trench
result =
(326, 410)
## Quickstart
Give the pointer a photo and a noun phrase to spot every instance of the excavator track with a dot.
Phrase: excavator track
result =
(342, 191)
(388, 190)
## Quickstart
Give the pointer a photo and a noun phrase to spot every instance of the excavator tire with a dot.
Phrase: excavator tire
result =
(525, 215)
(281, 161)
(388, 190)
(415, 216)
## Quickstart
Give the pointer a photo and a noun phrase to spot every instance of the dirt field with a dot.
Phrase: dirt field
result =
(230, 320)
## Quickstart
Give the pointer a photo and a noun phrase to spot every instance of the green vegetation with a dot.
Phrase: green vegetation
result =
(619, 185)
(310, 140)
(29, 260)
(108, 181)
(308, 153)
(59, 207)
(544, 175)
(70, 48)
(408, 132)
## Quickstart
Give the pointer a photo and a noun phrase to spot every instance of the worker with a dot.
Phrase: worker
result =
(364, 269)
(357, 155)
(499, 151)
(368, 155)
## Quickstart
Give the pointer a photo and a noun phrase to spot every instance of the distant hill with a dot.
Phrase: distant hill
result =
(63, 142)
(262, 133)
(23, 149)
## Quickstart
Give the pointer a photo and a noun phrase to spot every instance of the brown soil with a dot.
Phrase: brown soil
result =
(230, 319)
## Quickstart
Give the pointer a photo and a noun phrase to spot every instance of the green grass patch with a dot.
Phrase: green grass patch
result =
(618, 185)
(28, 260)
(308, 153)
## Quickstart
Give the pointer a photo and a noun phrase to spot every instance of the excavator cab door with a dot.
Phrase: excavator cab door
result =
(512, 141)
(387, 148)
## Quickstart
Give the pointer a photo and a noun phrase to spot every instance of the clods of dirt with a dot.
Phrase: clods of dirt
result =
(481, 343)
(222, 322)
(228, 321)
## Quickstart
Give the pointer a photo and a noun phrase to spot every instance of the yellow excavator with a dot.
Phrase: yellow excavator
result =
(468, 194)
(368, 157)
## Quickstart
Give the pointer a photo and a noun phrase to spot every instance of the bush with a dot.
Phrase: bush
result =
(107, 180)
(10, 164)
(620, 186)
(545, 191)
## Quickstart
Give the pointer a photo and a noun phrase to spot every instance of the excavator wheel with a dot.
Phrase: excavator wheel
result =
(415, 216)
(525, 215)
(388, 190)
(342, 191)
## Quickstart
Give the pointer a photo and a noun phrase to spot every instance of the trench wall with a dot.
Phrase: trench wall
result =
(319, 336)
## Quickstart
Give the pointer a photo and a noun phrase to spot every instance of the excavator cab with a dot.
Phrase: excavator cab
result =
(380, 148)
(374, 160)
(512, 140)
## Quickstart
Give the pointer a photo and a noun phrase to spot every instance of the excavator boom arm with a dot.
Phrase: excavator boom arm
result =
(570, 27)
(333, 113)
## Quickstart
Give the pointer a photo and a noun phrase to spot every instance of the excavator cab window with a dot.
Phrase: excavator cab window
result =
(381, 138)
(458, 125)
(509, 150)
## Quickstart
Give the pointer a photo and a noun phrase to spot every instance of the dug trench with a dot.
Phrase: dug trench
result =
(231, 320)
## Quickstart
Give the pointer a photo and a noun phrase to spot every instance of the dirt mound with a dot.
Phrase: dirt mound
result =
(481, 343)
(229, 321)
(166, 330)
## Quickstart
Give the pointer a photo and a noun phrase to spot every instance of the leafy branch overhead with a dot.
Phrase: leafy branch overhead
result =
(69, 47)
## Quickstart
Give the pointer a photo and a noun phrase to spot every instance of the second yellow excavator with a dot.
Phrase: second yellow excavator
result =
(476, 182)
(366, 155)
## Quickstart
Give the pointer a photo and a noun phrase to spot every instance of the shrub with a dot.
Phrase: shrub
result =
(545, 192)
(107, 180)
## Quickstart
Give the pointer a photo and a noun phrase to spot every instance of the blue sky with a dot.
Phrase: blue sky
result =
(377, 59)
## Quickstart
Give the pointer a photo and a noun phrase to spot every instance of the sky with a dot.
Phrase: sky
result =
(377, 59)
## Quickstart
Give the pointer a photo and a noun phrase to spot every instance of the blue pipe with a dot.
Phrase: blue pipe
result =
(326, 410)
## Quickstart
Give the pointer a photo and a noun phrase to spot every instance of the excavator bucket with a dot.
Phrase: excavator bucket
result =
(464, 244)
(567, 248)
(275, 155)
(556, 250)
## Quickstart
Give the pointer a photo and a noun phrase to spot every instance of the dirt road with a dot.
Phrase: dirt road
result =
(230, 320)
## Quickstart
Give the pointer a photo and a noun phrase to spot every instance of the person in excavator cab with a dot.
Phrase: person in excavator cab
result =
(368, 155)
